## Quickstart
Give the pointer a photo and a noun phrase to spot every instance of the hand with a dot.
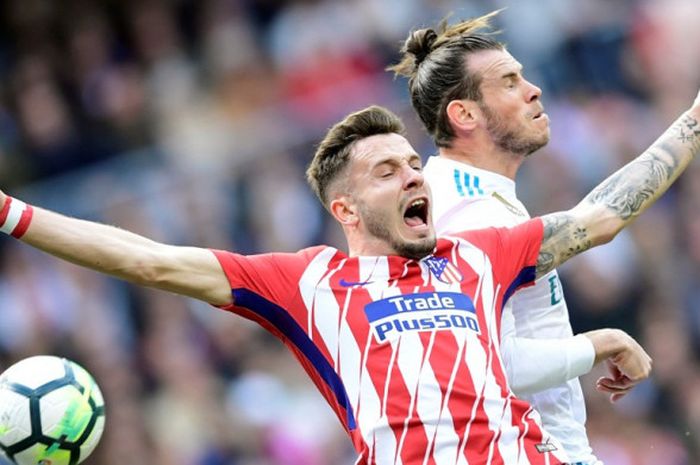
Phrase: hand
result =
(627, 361)
(617, 384)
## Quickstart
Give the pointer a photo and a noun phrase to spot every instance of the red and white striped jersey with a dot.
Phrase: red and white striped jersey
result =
(406, 352)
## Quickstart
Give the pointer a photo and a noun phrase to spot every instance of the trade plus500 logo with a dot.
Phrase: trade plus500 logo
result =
(427, 311)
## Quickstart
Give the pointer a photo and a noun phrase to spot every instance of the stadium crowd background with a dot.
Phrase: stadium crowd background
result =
(192, 121)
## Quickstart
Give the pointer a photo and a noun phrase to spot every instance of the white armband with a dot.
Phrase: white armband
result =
(15, 217)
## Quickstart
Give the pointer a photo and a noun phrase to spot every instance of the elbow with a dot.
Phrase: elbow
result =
(140, 273)
(606, 230)
(602, 224)
(144, 270)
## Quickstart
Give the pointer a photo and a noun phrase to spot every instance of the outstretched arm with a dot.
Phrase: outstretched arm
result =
(618, 200)
(189, 271)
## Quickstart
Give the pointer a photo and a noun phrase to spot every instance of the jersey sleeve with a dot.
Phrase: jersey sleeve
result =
(567, 359)
(513, 252)
(273, 276)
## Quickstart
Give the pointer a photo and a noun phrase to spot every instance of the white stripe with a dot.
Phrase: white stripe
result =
(446, 428)
(369, 410)
(410, 360)
(500, 416)
(480, 361)
(310, 279)
(327, 317)
(350, 358)
(373, 423)
(498, 410)
(13, 216)
(523, 460)
(444, 425)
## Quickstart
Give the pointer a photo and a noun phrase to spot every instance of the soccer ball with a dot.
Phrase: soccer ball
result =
(51, 412)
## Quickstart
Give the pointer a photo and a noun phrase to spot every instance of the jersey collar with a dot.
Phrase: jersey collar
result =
(489, 181)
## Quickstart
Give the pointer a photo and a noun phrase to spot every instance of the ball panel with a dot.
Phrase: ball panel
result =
(15, 420)
(85, 379)
(65, 412)
(94, 437)
(39, 454)
(35, 371)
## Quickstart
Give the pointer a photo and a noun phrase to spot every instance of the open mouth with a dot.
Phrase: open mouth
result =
(417, 213)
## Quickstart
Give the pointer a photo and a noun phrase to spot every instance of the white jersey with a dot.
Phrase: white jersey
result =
(466, 197)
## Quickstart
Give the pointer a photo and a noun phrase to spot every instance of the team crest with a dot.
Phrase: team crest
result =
(444, 270)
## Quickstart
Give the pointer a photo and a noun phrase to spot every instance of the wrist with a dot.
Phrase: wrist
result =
(580, 355)
(15, 217)
(607, 342)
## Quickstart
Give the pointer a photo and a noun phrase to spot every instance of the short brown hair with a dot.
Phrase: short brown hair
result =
(333, 152)
(435, 62)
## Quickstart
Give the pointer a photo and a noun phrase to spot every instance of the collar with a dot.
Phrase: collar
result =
(487, 181)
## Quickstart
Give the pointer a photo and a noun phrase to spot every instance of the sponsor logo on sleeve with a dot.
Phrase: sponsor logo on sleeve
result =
(428, 311)
(546, 446)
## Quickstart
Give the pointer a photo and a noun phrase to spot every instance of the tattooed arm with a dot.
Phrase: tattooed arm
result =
(618, 200)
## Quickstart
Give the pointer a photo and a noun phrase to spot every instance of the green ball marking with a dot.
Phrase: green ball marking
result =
(76, 417)
(53, 455)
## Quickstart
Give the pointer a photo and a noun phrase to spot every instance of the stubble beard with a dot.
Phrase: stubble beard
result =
(510, 139)
(376, 226)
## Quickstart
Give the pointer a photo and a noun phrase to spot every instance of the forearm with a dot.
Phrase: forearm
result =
(619, 199)
(189, 271)
(565, 359)
(637, 185)
(100, 247)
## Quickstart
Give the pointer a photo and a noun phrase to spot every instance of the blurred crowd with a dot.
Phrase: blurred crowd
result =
(191, 122)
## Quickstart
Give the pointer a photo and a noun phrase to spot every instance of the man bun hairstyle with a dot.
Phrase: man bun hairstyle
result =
(333, 153)
(435, 61)
(419, 45)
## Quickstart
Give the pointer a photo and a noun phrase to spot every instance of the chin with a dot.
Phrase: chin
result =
(417, 249)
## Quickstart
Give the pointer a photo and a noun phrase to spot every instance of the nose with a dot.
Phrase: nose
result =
(413, 178)
(533, 92)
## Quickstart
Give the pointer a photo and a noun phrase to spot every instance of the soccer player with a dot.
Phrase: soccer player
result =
(399, 334)
(485, 119)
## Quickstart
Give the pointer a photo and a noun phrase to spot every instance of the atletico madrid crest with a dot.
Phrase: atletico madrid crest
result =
(444, 270)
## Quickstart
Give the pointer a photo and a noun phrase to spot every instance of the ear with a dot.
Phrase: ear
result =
(344, 210)
(463, 114)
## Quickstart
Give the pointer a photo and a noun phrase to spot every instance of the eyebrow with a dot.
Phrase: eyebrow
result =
(513, 74)
(396, 160)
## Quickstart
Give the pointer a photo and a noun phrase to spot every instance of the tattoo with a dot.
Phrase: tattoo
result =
(563, 238)
(633, 188)
(627, 191)
(621, 197)
(689, 132)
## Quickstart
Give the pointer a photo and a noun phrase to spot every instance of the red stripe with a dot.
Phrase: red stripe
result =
(462, 398)
(444, 359)
(24, 221)
(5, 210)
(415, 440)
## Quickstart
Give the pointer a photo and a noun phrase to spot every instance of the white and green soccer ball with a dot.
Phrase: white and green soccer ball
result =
(51, 412)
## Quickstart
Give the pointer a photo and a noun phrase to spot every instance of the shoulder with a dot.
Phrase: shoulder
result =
(492, 237)
(452, 176)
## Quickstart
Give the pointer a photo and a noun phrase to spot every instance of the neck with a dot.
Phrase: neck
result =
(360, 245)
(484, 156)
